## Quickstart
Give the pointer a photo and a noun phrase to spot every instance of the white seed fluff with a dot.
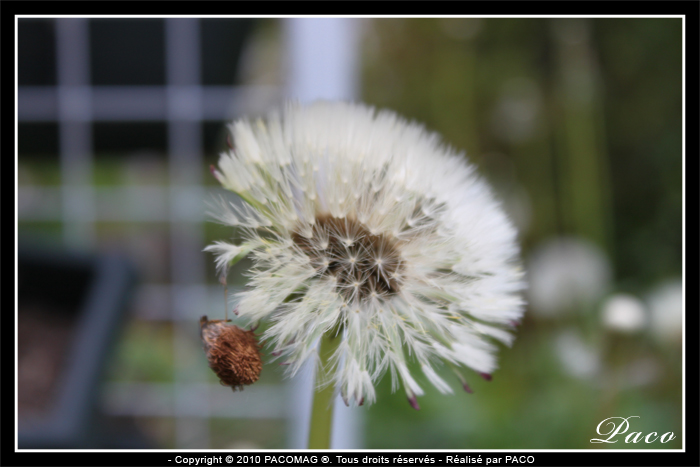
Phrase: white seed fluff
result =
(359, 221)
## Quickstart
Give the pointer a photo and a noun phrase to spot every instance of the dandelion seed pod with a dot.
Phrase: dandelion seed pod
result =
(233, 353)
(359, 221)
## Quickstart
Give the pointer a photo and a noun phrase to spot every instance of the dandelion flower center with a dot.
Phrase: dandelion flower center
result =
(364, 264)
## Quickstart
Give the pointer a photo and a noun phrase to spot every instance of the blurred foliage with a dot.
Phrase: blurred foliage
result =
(457, 75)
(257, 434)
(580, 121)
(144, 354)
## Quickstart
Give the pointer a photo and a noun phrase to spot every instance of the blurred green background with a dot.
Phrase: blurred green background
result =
(577, 123)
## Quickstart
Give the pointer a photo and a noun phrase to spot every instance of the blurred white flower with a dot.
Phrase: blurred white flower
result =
(361, 222)
(624, 313)
(564, 273)
(666, 306)
(577, 358)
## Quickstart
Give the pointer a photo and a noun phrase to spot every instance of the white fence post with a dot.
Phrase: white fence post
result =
(322, 63)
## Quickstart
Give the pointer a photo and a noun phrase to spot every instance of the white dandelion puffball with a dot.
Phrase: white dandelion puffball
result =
(361, 223)
(566, 273)
(666, 305)
(624, 313)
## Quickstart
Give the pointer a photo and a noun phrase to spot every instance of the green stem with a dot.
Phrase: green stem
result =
(322, 410)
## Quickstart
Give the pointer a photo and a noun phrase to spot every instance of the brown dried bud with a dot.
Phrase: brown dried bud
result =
(233, 353)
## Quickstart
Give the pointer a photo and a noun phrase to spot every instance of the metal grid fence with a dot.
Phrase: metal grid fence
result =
(74, 103)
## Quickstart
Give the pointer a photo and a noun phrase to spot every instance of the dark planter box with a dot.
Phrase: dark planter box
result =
(70, 310)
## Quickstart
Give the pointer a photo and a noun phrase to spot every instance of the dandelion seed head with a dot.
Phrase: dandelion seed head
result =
(361, 222)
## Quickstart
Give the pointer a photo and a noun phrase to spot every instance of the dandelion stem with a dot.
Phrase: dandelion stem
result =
(322, 410)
